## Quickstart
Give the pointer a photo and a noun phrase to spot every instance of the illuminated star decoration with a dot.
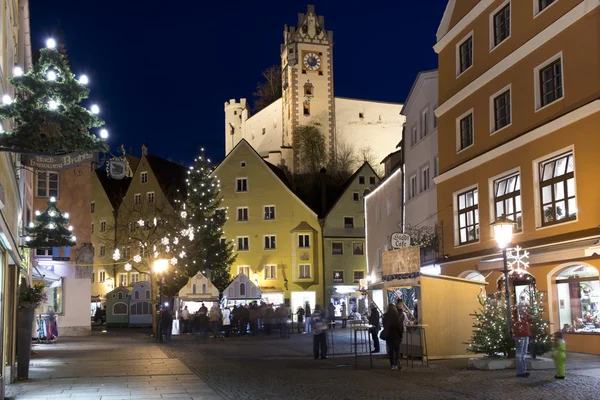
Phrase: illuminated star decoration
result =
(518, 259)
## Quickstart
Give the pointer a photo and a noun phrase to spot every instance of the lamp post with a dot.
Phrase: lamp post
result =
(160, 266)
(503, 231)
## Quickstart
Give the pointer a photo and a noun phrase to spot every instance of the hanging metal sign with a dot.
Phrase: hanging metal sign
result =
(117, 169)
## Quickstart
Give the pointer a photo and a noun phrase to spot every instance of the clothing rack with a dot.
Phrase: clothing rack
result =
(47, 328)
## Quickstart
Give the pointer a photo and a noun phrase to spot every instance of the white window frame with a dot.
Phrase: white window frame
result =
(415, 136)
(458, 139)
(270, 272)
(536, 81)
(457, 53)
(144, 177)
(238, 243)
(101, 276)
(102, 226)
(537, 201)
(455, 215)
(424, 122)
(492, 199)
(536, 8)
(134, 277)
(150, 203)
(137, 199)
(507, 88)
(126, 252)
(273, 242)
(423, 170)
(241, 269)
(304, 236)
(48, 173)
(237, 214)
(412, 185)
(121, 276)
(300, 267)
(102, 251)
(492, 25)
(236, 184)
(265, 213)
(336, 254)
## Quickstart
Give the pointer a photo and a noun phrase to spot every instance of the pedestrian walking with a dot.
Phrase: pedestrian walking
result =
(521, 334)
(344, 314)
(392, 334)
(319, 329)
(226, 321)
(300, 314)
(559, 355)
(307, 316)
(185, 318)
(375, 327)
(166, 324)
(331, 315)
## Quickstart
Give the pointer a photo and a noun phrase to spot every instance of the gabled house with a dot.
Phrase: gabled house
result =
(276, 236)
(344, 258)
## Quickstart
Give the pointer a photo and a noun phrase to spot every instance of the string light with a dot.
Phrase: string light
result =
(51, 75)
(17, 71)
(83, 79)
(6, 99)
(95, 109)
(52, 104)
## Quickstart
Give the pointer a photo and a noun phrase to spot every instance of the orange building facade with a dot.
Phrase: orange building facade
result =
(519, 115)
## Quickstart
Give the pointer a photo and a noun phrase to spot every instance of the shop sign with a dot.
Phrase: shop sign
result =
(56, 163)
(338, 276)
(402, 261)
(117, 169)
(400, 240)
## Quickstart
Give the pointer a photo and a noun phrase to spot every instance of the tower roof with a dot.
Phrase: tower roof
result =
(310, 29)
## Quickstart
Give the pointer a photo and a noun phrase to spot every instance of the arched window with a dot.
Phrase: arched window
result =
(120, 296)
(120, 309)
(204, 288)
(193, 288)
(578, 296)
(242, 289)
(147, 294)
(136, 294)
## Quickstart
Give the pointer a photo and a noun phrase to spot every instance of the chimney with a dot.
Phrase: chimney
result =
(144, 150)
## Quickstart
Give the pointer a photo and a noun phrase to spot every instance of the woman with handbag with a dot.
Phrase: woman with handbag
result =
(392, 334)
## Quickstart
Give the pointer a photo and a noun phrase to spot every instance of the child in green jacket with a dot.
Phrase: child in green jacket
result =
(559, 355)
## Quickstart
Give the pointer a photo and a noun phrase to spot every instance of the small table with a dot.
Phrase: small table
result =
(364, 336)
(422, 343)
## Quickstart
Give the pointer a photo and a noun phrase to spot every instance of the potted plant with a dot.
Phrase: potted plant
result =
(30, 298)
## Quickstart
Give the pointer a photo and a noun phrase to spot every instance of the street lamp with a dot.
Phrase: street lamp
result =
(160, 267)
(503, 232)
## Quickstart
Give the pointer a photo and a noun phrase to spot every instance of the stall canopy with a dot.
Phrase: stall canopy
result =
(199, 288)
(40, 273)
(242, 288)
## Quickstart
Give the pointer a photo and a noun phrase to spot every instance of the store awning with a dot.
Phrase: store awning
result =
(42, 274)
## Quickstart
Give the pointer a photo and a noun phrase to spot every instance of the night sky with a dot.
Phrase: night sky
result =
(161, 70)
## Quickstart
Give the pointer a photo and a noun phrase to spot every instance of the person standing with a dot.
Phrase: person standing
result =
(521, 333)
(166, 324)
(203, 309)
(392, 334)
(185, 316)
(300, 314)
(345, 314)
(560, 355)
(307, 316)
(253, 315)
(226, 321)
(331, 315)
(269, 319)
(215, 318)
(374, 329)
(319, 328)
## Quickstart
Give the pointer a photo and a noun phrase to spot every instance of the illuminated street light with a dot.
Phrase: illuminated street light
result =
(503, 232)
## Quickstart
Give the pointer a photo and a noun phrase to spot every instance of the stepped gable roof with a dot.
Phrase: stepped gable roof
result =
(342, 189)
(170, 176)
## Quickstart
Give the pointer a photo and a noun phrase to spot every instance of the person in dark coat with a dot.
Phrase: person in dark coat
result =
(269, 319)
(166, 324)
(393, 331)
(331, 315)
(300, 314)
(375, 327)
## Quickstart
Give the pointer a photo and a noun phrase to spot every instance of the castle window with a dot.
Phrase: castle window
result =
(264, 131)
(235, 113)
(306, 110)
(361, 115)
(321, 73)
(308, 89)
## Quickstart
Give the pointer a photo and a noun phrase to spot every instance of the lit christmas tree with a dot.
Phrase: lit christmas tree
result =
(46, 112)
(490, 333)
(205, 218)
(541, 340)
(50, 229)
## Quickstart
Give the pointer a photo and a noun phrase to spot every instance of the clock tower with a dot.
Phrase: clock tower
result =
(307, 80)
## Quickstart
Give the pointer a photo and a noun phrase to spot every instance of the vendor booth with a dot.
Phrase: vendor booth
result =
(197, 291)
(440, 307)
(140, 305)
(241, 291)
(117, 307)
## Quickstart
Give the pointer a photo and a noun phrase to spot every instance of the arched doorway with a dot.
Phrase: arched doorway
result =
(578, 298)
(522, 283)
(472, 275)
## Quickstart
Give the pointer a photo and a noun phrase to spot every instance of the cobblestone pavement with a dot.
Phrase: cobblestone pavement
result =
(274, 368)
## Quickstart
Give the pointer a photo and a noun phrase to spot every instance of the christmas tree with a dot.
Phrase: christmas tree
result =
(205, 219)
(540, 341)
(47, 116)
(50, 229)
(490, 336)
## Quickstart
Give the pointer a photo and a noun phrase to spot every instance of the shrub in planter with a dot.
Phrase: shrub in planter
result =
(30, 297)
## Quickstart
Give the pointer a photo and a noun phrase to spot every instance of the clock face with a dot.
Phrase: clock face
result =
(312, 61)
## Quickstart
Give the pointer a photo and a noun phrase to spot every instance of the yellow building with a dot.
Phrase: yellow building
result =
(277, 238)
(518, 114)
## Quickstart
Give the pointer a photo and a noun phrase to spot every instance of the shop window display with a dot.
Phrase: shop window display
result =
(578, 294)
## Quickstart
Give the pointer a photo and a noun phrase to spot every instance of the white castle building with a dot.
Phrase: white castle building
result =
(308, 99)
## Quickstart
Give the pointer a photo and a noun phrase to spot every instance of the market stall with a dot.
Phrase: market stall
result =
(241, 291)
